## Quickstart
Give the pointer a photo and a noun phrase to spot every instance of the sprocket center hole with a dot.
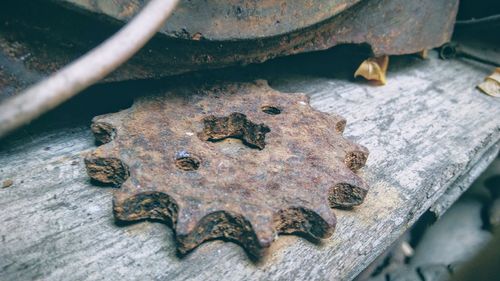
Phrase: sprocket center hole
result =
(237, 126)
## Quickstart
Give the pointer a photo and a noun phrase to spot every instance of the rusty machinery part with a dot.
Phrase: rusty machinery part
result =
(389, 27)
(238, 160)
(87, 70)
(452, 50)
(226, 20)
(234, 31)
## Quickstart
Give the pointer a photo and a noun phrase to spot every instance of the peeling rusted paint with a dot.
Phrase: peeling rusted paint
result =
(239, 161)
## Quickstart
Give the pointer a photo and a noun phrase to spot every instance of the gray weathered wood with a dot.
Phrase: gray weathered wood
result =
(464, 181)
(425, 130)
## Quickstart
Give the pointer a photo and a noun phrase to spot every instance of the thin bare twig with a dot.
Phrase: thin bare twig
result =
(474, 21)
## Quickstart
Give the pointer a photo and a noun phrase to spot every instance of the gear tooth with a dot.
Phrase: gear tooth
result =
(114, 118)
(262, 83)
(356, 156)
(324, 212)
(349, 192)
(120, 198)
(219, 224)
(104, 132)
(105, 169)
(103, 151)
(338, 121)
(105, 127)
(263, 227)
(144, 205)
(317, 222)
(305, 98)
(340, 124)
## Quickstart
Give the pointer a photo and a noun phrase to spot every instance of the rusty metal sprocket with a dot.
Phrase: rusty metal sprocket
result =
(239, 161)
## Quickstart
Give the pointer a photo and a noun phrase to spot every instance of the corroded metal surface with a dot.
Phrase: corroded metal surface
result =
(222, 20)
(390, 27)
(54, 36)
(239, 161)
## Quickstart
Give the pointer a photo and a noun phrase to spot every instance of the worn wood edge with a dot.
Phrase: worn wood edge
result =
(457, 188)
(441, 200)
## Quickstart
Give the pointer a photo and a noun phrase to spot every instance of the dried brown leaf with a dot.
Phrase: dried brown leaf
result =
(424, 54)
(374, 69)
(491, 84)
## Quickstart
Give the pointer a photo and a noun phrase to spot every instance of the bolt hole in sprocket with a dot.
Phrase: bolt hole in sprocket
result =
(187, 162)
(237, 161)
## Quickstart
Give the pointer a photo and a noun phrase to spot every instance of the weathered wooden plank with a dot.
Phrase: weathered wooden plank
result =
(425, 130)
(464, 181)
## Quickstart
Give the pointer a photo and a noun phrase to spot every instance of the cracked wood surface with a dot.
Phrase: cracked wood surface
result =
(425, 131)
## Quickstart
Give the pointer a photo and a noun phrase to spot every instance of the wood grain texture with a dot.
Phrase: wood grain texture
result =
(425, 131)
